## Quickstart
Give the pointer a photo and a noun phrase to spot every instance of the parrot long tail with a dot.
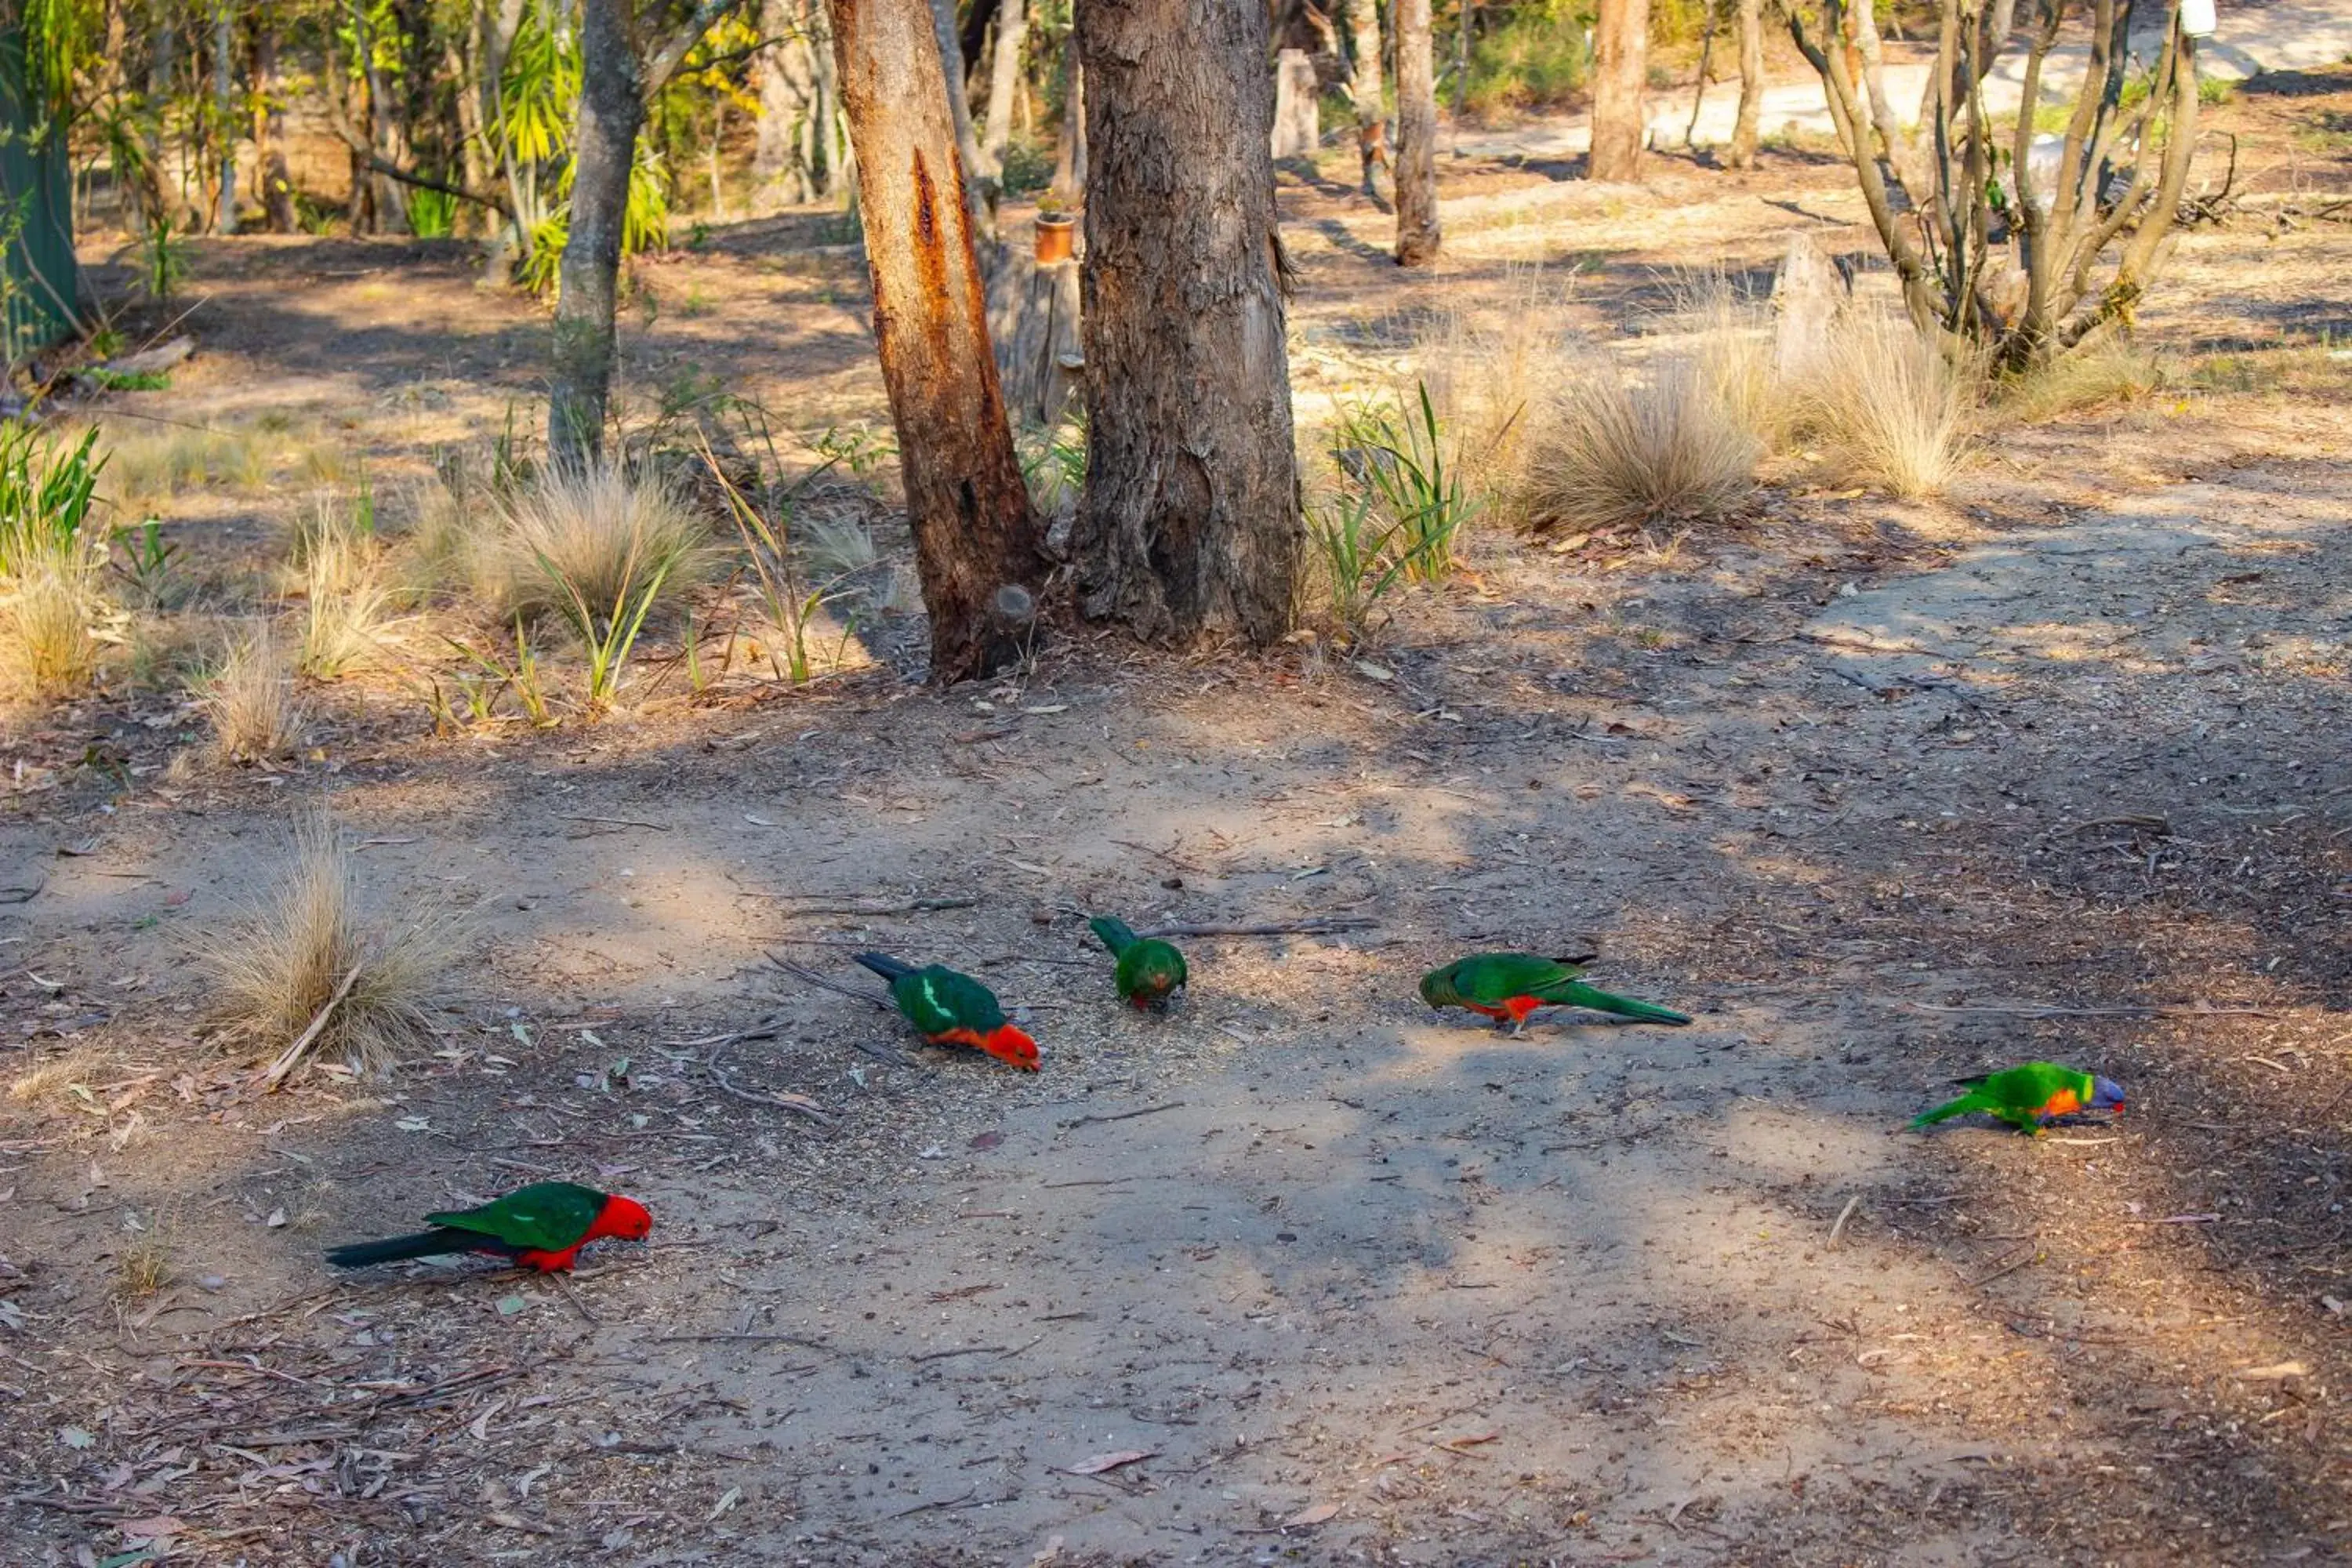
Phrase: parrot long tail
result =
(883, 964)
(1944, 1112)
(423, 1244)
(1115, 934)
(1576, 993)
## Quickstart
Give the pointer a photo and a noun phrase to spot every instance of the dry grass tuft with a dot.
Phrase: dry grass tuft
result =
(305, 950)
(1891, 409)
(2110, 372)
(144, 1266)
(1488, 376)
(339, 624)
(250, 700)
(1610, 451)
(49, 615)
(55, 1076)
(597, 542)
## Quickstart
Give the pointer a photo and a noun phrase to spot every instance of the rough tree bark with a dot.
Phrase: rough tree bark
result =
(977, 544)
(1190, 523)
(611, 107)
(1620, 37)
(1416, 166)
(1005, 83)
(1364, 87)
(1751, 84)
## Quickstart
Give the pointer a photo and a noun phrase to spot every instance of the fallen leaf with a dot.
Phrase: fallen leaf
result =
(414, 1124)
(2277, 1373)
(757, 821)
(1097, 1464)
(1321, 1513)
(173, 900)
(510, 1305)
(277, 1218)
(515, 1522)
(727, 1500)
(1370, 671)
(76, 1438)
(480, 1425)
(154, 1528)
(1470, 1441)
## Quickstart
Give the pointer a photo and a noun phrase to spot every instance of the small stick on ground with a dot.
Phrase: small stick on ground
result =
(836, 986)
(1122, 1116)
(1322, 925)
(911, 906)
(968, 1350)
(303, 1042)
(564, 1285)
(799, 1104)
(1844, 1215)
(2153, 1010)
(620, 822)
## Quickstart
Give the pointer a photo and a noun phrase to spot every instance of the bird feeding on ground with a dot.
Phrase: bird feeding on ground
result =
(541, 1227)
(1149, 972)
(2028, 1097)
(1507, 987)
(951, 1009)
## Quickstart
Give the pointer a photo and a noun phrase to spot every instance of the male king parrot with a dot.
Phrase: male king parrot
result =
(1150, 972)
(952, 1009)
(1507, 987)
(541, 1227)
(2028, 1097)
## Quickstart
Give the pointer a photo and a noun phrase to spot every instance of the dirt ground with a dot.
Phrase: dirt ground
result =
(1883, 793)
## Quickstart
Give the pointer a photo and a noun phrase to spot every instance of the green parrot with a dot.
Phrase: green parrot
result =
(952, 1009)
(2029, 1096)
(1507, 987)
(541, 1227)
(1150, 972)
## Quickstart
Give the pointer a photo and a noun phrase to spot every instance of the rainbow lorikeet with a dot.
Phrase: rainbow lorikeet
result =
(1150, 972)
(2028, 1097)
(1507, 987)
(541, 1227)
(951, 1009)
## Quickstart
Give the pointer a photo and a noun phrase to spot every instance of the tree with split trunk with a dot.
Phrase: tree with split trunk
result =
(1190, 525)
(978, 547)
(1620, 39)
(1416, 165)
(615, 84)
(2029, 249)
(1751, 84)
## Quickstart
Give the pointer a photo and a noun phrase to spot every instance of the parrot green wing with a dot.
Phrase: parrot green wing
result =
(1491, 979)
(936, 999)
(545, 1215)
(1115, 934)
(2027, 1088)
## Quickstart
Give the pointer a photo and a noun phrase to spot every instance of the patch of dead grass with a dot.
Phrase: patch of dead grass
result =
(249, 697)
(1609, 450)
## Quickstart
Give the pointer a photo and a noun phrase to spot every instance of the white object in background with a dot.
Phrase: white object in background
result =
(2197, 20)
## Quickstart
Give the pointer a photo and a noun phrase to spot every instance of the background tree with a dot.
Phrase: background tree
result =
(1364, 88)
(975, 533)
(1751, 84)
(1191, 522)
(1417, 168)
(1620, 37)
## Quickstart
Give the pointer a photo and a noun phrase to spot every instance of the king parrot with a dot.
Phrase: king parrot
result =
(541, 1227)
(952, 1009)
(1150, 972)
(2029, 1096)
(1507, 987)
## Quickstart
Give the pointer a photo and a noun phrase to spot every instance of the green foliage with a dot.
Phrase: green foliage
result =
(1402, 463)
(1360, 565)
(46, 492)
(162, 258)
(860, 448)
(432, 215)
(106, 380)
(1535, 58)
(143, 560)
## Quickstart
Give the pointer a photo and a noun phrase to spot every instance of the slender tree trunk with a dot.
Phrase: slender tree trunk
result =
(1070, 146)
(1751, 84)
(225, 115)
(1620, 37)
(1364, 87)
(979, 178)
(271, 173)
(1191, 525)
(977, 543)
(1005, 83)
(831, 125)
(782, 147)
(611, 109)
(162, 20)
(1417, 168)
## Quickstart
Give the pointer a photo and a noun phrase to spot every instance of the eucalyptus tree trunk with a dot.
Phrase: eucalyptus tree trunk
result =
(224, 116)
(1751, 84)
(1416, 166)
(611, 105)
(276, 180)
(1003, 83)
(1364, 87)
(784, 149)
(977, 543)
(1620, 37)
(1191, 525)
(1070, 147)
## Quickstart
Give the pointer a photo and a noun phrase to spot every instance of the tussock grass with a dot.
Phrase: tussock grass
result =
(1890, 408)
(833, 547)
(55, 1076)
(1609, 451)
(1487, 375)
(332, 544)
(306, 945)
(2110, 372)
(145, 1265)
(249, 697)
(49, 613)
(592, 545)
(149, 465)
(341, 626)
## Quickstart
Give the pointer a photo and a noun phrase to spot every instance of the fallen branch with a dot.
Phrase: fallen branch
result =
(2154, 1010)
(799, 1104)
(1322, 925)
(836, 986)
(616, 822)
(303, 1041)
(911, 906)
(968, 1350)
(1122, 1116)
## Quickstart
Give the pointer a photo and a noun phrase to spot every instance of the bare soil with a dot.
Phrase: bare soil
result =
(1883, 793)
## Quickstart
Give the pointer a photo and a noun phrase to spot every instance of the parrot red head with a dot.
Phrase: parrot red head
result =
(1008, 1044)
(624, 1219)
